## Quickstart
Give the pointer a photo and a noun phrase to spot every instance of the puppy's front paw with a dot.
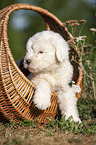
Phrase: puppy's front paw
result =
(76, 119)
(42, 101)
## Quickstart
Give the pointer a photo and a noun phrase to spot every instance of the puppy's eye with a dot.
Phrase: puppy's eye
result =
(40, 51)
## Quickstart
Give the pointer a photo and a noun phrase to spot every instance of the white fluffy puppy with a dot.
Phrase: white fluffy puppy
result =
(48, 60)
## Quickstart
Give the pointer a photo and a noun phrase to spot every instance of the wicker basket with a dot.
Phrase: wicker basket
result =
(16, 91)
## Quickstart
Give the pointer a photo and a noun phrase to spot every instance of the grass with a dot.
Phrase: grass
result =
(61, 131)
(56, 132)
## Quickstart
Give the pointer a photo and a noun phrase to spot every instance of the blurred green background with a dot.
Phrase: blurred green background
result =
(23, 24)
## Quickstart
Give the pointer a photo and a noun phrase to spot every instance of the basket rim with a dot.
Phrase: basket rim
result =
(8, 10)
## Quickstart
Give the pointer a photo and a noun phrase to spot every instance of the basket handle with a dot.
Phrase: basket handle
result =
(51, 21)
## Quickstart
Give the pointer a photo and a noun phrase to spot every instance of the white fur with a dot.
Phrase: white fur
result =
(51, 71)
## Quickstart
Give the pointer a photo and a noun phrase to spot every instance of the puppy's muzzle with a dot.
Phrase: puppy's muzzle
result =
(28, 61)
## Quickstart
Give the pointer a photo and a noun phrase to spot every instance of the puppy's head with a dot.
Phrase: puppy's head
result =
(45, 51)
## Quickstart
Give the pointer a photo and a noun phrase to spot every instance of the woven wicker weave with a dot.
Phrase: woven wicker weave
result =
(16, 91)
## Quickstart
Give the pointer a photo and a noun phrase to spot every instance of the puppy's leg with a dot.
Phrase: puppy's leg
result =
(68, 104)
(42, 97)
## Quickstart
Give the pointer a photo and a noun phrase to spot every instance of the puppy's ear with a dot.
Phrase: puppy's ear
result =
(61, 47)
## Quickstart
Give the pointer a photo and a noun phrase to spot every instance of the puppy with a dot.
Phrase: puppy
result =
(47, 59)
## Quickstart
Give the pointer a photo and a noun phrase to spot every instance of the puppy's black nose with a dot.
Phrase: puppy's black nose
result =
(28, 61)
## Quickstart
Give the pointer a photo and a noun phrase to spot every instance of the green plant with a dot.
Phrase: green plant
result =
(86, 53)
